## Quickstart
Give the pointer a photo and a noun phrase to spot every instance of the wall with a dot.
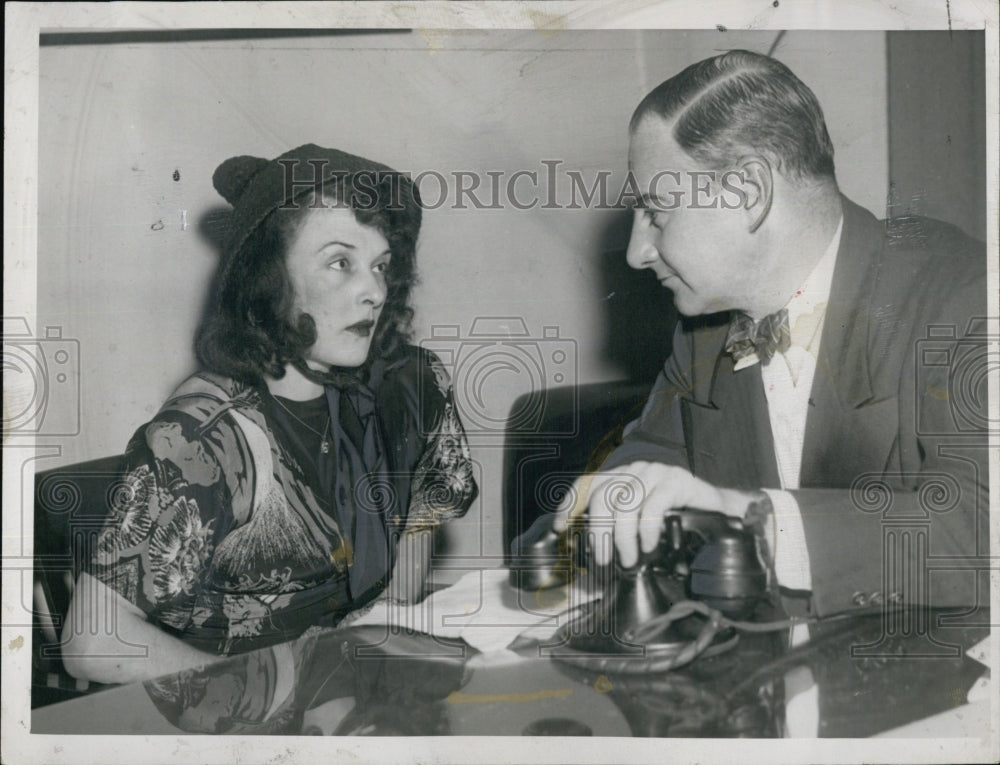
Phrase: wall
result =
(936, 155)
(131, 132)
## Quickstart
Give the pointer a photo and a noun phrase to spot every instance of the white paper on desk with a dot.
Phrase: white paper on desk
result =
(482, 609)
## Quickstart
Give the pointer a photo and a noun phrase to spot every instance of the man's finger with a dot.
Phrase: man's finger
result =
(622, 496)
(600, 524)
(658, 503)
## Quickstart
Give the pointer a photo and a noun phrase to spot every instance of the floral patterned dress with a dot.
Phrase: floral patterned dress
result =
(217, 535)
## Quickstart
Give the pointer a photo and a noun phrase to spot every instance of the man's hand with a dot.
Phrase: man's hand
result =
(631, 501)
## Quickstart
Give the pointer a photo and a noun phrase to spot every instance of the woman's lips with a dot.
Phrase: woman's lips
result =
(361, 328)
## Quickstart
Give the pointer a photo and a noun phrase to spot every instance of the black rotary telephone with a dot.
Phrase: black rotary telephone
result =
(716, 556)
(706, 565)
(702, 555)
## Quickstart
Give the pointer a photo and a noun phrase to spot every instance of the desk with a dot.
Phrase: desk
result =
(376, 680)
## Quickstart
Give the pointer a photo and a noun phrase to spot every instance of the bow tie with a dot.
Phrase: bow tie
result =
(764, 338)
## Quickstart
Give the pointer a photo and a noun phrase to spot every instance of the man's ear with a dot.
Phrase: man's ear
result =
(758, 188)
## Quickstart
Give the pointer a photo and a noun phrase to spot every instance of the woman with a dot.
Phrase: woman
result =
(276, 489)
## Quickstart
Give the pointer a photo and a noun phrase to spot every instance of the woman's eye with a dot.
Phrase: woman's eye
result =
(338, 264)
(380, 268)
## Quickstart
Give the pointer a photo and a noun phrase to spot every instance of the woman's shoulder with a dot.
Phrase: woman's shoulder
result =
(208, 385)
(205, 395)
(210, 429)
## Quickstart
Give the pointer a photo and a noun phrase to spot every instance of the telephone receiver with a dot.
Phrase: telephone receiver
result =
(702, 555)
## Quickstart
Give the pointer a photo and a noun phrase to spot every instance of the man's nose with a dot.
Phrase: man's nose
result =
(640, 253)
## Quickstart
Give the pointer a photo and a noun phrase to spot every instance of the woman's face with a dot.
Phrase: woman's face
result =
(337, 268)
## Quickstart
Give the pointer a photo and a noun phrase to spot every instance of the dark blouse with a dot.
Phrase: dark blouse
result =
(226, 531)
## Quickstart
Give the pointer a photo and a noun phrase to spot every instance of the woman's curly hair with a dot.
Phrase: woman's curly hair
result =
(250, 329)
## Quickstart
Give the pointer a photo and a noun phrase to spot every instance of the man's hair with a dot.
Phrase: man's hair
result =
(250, 329)
(741, 103)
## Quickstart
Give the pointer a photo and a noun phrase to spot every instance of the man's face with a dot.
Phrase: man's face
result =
(692, 231)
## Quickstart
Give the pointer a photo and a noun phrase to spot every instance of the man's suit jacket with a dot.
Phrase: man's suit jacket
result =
(895, 454)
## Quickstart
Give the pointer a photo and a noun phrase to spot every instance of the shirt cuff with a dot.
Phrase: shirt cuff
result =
(791, 556)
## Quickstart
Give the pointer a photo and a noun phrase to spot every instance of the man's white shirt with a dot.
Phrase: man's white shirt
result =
(788, 379)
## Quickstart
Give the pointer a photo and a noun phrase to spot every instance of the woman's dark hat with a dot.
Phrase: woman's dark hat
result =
(255, 187)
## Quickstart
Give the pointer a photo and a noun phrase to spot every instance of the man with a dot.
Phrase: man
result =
(796, 385)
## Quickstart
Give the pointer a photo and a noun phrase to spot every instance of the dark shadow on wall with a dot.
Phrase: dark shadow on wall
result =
(639, 313)
(213, 228)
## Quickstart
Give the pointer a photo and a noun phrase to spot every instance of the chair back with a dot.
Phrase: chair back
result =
(71, 505)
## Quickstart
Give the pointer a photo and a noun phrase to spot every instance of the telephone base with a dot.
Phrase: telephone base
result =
(587, 641)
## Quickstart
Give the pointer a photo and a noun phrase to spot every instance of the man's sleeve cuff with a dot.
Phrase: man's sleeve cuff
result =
(791, 556)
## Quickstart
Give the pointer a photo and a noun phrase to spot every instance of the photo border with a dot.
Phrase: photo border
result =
(24, 21)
